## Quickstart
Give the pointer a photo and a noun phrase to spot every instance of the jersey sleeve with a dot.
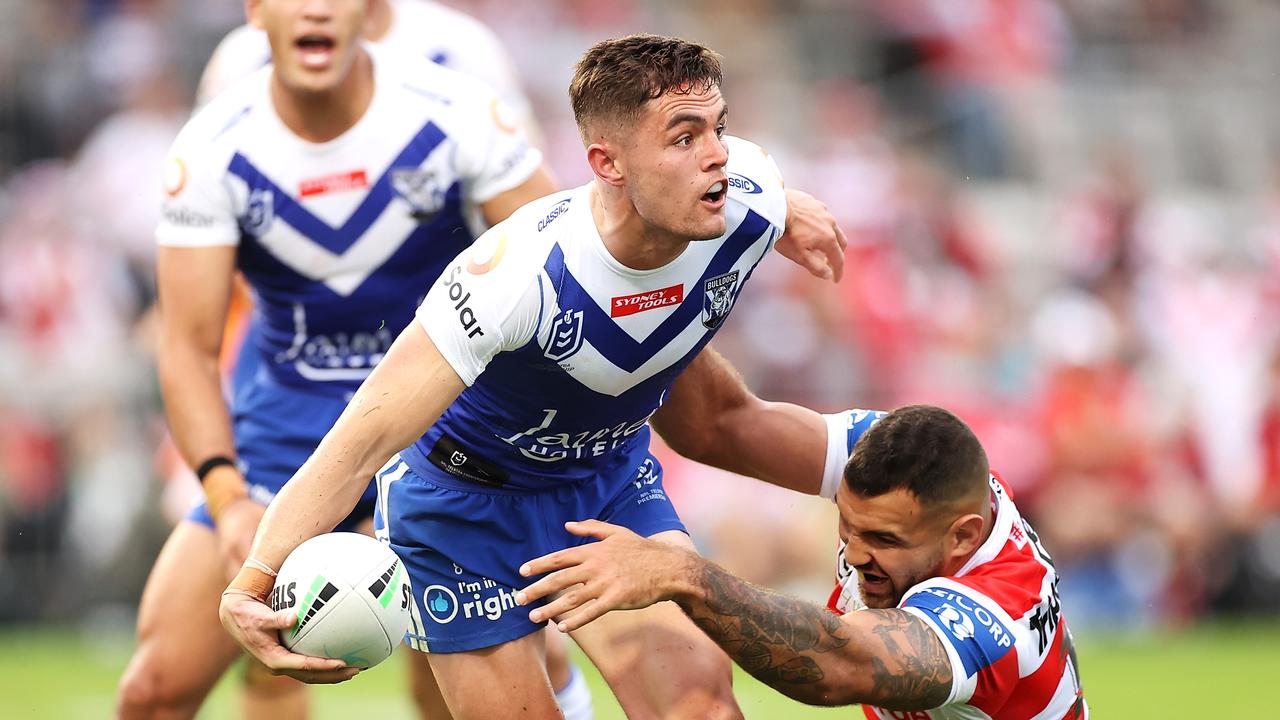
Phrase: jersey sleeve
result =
(243, 51)
(975, 633)
(755, 181)
(844, 429)
(494, 153)
(481, 306)
(197, 208)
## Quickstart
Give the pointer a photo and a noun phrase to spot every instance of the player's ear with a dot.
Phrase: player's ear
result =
(604, 163)
(253, 12)
(965, 535)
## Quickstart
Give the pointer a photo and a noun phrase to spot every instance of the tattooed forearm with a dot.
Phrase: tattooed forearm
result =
(887, 658)
(778, 639)
(910, 669)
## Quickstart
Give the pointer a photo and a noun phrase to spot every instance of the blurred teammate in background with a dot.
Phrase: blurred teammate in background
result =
(338, 180)
(558, 334)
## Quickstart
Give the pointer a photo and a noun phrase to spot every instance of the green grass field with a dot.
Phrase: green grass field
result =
(1219, 671)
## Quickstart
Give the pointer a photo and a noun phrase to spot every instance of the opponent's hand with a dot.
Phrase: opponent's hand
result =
(235, 527)
(621, 572)
(256, 628)
(813, 239)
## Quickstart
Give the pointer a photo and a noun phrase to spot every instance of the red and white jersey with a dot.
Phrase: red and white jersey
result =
(1001, 622)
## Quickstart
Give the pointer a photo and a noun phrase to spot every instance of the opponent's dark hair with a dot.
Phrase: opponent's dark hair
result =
(615, 78)
(923, 449)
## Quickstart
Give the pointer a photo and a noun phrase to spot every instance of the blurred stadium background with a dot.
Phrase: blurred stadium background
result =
(1065, 225)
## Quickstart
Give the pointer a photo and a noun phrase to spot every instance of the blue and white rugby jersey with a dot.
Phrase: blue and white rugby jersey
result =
(420, 28)
(341, 240)
(565, 351)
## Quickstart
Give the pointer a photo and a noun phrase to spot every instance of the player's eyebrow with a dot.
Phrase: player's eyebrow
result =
(695, 118)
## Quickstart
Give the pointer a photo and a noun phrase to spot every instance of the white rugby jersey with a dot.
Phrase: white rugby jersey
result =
(999, 618)
(418, 27)
(341, 240)
(565, 351)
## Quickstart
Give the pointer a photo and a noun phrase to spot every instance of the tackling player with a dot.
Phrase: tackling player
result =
(558, 334)
(946, 607)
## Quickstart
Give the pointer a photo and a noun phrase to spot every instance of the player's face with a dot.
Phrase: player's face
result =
(313, 42)
(892, 543)
(675, 163)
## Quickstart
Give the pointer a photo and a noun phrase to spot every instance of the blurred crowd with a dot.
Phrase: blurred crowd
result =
(1064, 223)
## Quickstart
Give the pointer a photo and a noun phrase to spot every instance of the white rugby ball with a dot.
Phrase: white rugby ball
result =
(351, 595)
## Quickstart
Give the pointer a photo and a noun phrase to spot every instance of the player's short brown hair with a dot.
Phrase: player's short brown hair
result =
(922, 449)
(615, 78)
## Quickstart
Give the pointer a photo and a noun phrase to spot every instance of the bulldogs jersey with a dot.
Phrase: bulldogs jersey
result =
(427, 30)
(999, 617)
(566, 352)
(341, 240)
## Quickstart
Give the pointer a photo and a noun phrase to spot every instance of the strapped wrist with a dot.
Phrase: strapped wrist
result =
(252, 582)
(223, 486)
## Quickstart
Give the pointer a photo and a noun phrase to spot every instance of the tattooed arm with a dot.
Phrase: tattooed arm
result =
(888, 658)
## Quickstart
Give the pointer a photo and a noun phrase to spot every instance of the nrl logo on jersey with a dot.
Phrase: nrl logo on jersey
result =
(260, 213)
(420, 189)
(566, 336)
(717, 298)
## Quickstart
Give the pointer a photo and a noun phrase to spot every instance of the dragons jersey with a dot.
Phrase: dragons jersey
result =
(423, 29)
(341, 240)
(566, 352)
(999, 617)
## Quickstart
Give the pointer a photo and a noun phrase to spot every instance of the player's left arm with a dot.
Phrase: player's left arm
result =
(812, 238)
(711, 417)
(889, 658)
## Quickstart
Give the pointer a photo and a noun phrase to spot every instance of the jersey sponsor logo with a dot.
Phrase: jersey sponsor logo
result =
(900, 714)
(260, 212)
(421, 189)
(546, 444)
(718, 294)
(441, 604)
(482, 599)
(625, 305)
(502, 119)
(460, 297)
(175, 176)
(744, 184)
(185, 216)
(556, 211)
(566, 336)
(338, 182)
(480, 268)
(977, 634)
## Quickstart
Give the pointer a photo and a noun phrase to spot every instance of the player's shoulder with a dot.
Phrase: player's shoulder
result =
(240, 52)
(754, 180)
(451, 26)
(430, 86)
(539, 224)
(218, 128)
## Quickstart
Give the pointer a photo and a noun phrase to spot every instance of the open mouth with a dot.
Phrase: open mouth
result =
(872, 580)
(317, 50)
(714, 196)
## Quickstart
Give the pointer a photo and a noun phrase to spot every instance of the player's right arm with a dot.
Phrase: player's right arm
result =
(480, 306)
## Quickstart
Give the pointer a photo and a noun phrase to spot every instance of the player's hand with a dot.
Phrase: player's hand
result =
(236, 526)
(256, 628)
(621, 572)
(813, 239)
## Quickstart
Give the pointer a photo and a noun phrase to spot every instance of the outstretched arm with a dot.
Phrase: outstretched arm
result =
(889, 658)
(710, 416)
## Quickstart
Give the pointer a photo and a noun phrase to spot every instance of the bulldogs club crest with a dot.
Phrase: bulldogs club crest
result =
(717, 298)
(566, 336)
(260, 213)
(421, 189)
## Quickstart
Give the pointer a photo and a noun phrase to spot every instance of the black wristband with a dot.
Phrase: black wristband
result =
(216, 461)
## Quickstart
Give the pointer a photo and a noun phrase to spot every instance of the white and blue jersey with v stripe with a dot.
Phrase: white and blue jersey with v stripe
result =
(341, 240)
(566, 352)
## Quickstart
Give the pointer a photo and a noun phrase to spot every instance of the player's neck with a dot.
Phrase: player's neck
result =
(378, 22)
(631, 240)
(322, 116)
